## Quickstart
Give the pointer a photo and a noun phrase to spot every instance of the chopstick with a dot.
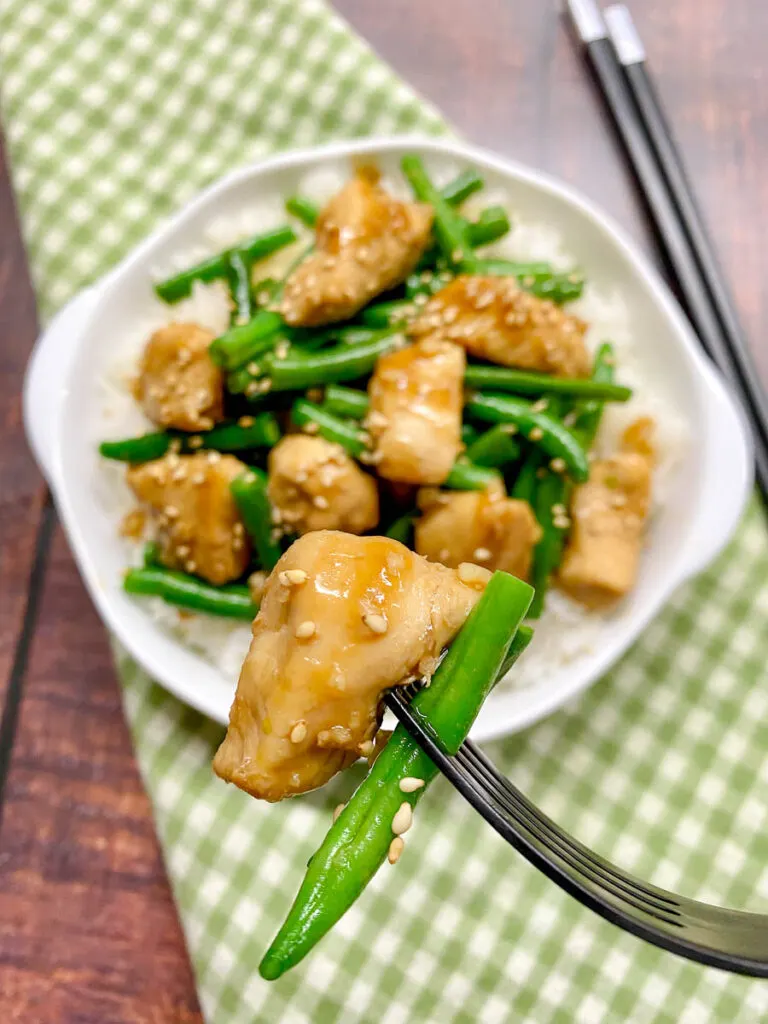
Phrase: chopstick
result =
(664, 185)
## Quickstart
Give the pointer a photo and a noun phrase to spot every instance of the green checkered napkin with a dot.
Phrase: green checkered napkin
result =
(116, 114)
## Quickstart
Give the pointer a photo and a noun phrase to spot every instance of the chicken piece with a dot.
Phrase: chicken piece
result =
(178, 385)
(315, 485)
(342, 619)
(199, 528)
(415, 416)
(495, 319)
(367, 242)
(609, 514)
(484, 527)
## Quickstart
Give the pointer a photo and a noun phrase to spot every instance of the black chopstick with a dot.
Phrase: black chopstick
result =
(727, 350)
(631, 54)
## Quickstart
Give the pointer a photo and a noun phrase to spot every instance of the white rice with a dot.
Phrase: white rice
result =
(566, 631)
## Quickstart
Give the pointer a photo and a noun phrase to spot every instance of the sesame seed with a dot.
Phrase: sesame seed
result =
(367, 747)
(570, 419)
(420, 299)
(540, 406)
(310, 428)
(293, 577)
(410, 784)
(299, 732)
(471, 574)
(175, 445)
(171, 511)
(481, 554)
(238, 529)
(263, 296)
(246, 421)
(183, 550)
(376, 623)
(558, 465)
(198, 478)
(281, 350)
(536, 434)
(376, 420)
(559, 510)
(561, 522)
(213, 457)
(337, 810)
(457, 256)
(403, 819)
(510, 428)
(253, 369)
(396, 847)
(319, 501)
(191, 565)
(252, 389)
(276, 514)
(305, 630)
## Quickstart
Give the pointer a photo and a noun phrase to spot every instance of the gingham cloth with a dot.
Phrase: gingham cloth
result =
(116, 114)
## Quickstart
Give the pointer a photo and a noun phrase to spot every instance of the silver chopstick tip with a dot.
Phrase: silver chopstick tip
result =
(626, 41)
(586, 17)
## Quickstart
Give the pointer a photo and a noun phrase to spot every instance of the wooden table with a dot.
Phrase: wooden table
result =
(88, 931)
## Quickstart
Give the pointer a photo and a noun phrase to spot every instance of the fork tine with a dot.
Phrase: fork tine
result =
(732, 940)
(589, 857)
(621, 887)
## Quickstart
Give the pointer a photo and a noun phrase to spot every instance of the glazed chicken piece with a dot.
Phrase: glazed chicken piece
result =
(484, 527)
(199, 529)
(342, 619)
(178, 385)
(367, 242)
(415, 416)
(495, 319)
(315, 485)
(609, 514)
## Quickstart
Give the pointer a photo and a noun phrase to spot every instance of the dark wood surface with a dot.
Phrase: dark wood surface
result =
(88, 931)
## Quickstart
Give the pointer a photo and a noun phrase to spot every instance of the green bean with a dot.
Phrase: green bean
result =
(540, 428)
(145, 448)
(244, 342)
(495, 448)
(388, 314)
(465, 476)
(468, 434)
(226, 437)
(180, 285)
(232, 601)
(462, 187)
(342, 362)
(303, 209)
(347, 402)
(491, 225)
(402, 529)
(549, 507)
(239, 279)
(499, 378)
(538, 278)
(151, 555)
(332, 428)
(358, 841)
(525, 485)
(250, 493)
(266, 291)
(590, 413)
(450, 228)
(553, 496)
(510, 268)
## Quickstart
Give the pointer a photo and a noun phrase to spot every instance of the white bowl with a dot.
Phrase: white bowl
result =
(705, 497)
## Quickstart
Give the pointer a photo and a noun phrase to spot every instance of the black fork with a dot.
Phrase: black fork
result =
(730, 939)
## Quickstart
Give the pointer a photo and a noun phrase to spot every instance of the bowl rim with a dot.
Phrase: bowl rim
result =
(522, 707)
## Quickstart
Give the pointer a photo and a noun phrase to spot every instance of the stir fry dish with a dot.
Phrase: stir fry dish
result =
(396, 381)
(385, 463)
